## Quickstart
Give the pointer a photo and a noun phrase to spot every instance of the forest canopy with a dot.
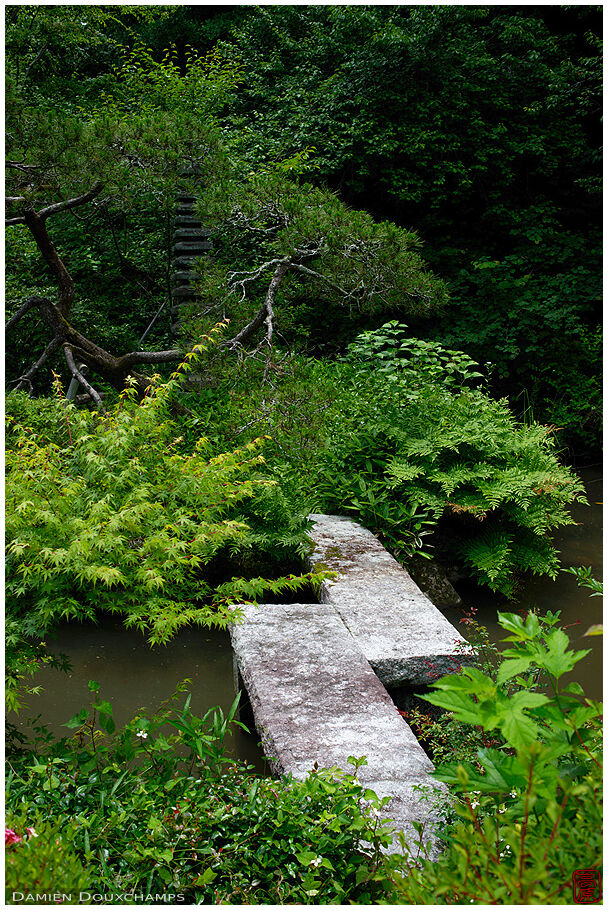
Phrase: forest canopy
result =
(477, 129)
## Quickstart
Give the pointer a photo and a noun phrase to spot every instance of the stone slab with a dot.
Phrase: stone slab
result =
(184, 291)
(184, 275)
(197, 248)
(187, 221)
(191, 234)
(406, 639)
(316, 700)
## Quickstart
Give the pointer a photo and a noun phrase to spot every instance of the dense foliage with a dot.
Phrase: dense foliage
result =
(340, 150)
(133, 814)
(116, 517)
(477, 126)
(481, 127)
(401, 437)
(157, 807)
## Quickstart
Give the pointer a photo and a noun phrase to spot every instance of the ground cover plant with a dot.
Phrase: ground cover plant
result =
(157, 807)
(437, 165)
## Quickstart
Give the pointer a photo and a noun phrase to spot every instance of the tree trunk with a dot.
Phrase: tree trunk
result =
(37, 226)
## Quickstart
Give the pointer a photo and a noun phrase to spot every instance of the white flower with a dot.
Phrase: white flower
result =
(142, 734)
(513, 793)
(317, 861)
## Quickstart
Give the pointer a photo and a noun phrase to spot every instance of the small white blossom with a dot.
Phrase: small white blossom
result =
(317, 861)
(142, 734)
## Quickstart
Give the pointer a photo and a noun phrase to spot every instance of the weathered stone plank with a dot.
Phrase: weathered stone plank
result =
(406, 639)
(316, 700)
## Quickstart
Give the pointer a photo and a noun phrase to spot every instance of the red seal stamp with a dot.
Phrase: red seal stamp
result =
(586, 886)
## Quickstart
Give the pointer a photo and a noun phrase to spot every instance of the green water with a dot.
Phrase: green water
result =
(133, 675)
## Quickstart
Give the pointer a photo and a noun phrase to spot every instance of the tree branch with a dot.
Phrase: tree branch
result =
(71, 203)
(81, 379)
(48, 352)
(20, 166)
(266, 312)
(234, 282)
(37, 226)
(135, 357)
(249, 330)
(23, 309)
(313, 274)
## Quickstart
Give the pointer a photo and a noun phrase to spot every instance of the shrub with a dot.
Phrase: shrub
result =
(403, 438)
(416, 447)
(41, 859)
(121, 519)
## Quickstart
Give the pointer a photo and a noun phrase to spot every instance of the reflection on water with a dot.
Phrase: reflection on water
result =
(133, 675)
(579, 545)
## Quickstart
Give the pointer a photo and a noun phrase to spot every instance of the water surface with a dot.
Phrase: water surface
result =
(578, 545)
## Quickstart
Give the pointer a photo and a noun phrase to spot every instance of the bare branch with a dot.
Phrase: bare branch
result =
(67, 350)
(234, 282)
(313, 274)
(71, 203)
(266, 312)
(151, 357)
(23, 309)
(262, 314)
(18, 219)
(48, 352)
(10, 200)
(20, 166)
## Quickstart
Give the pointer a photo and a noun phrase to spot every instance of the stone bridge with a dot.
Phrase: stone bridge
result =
(318, 676)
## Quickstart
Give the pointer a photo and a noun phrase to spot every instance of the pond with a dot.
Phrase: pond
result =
(578, 545)
(133, 675)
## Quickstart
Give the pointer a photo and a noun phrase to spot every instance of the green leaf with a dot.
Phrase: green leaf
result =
(558, 660)
(510, 668)
(78, 719)
(517, 728)
(207, 877)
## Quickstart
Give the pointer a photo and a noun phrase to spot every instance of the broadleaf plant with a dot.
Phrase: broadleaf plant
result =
(527, 812)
